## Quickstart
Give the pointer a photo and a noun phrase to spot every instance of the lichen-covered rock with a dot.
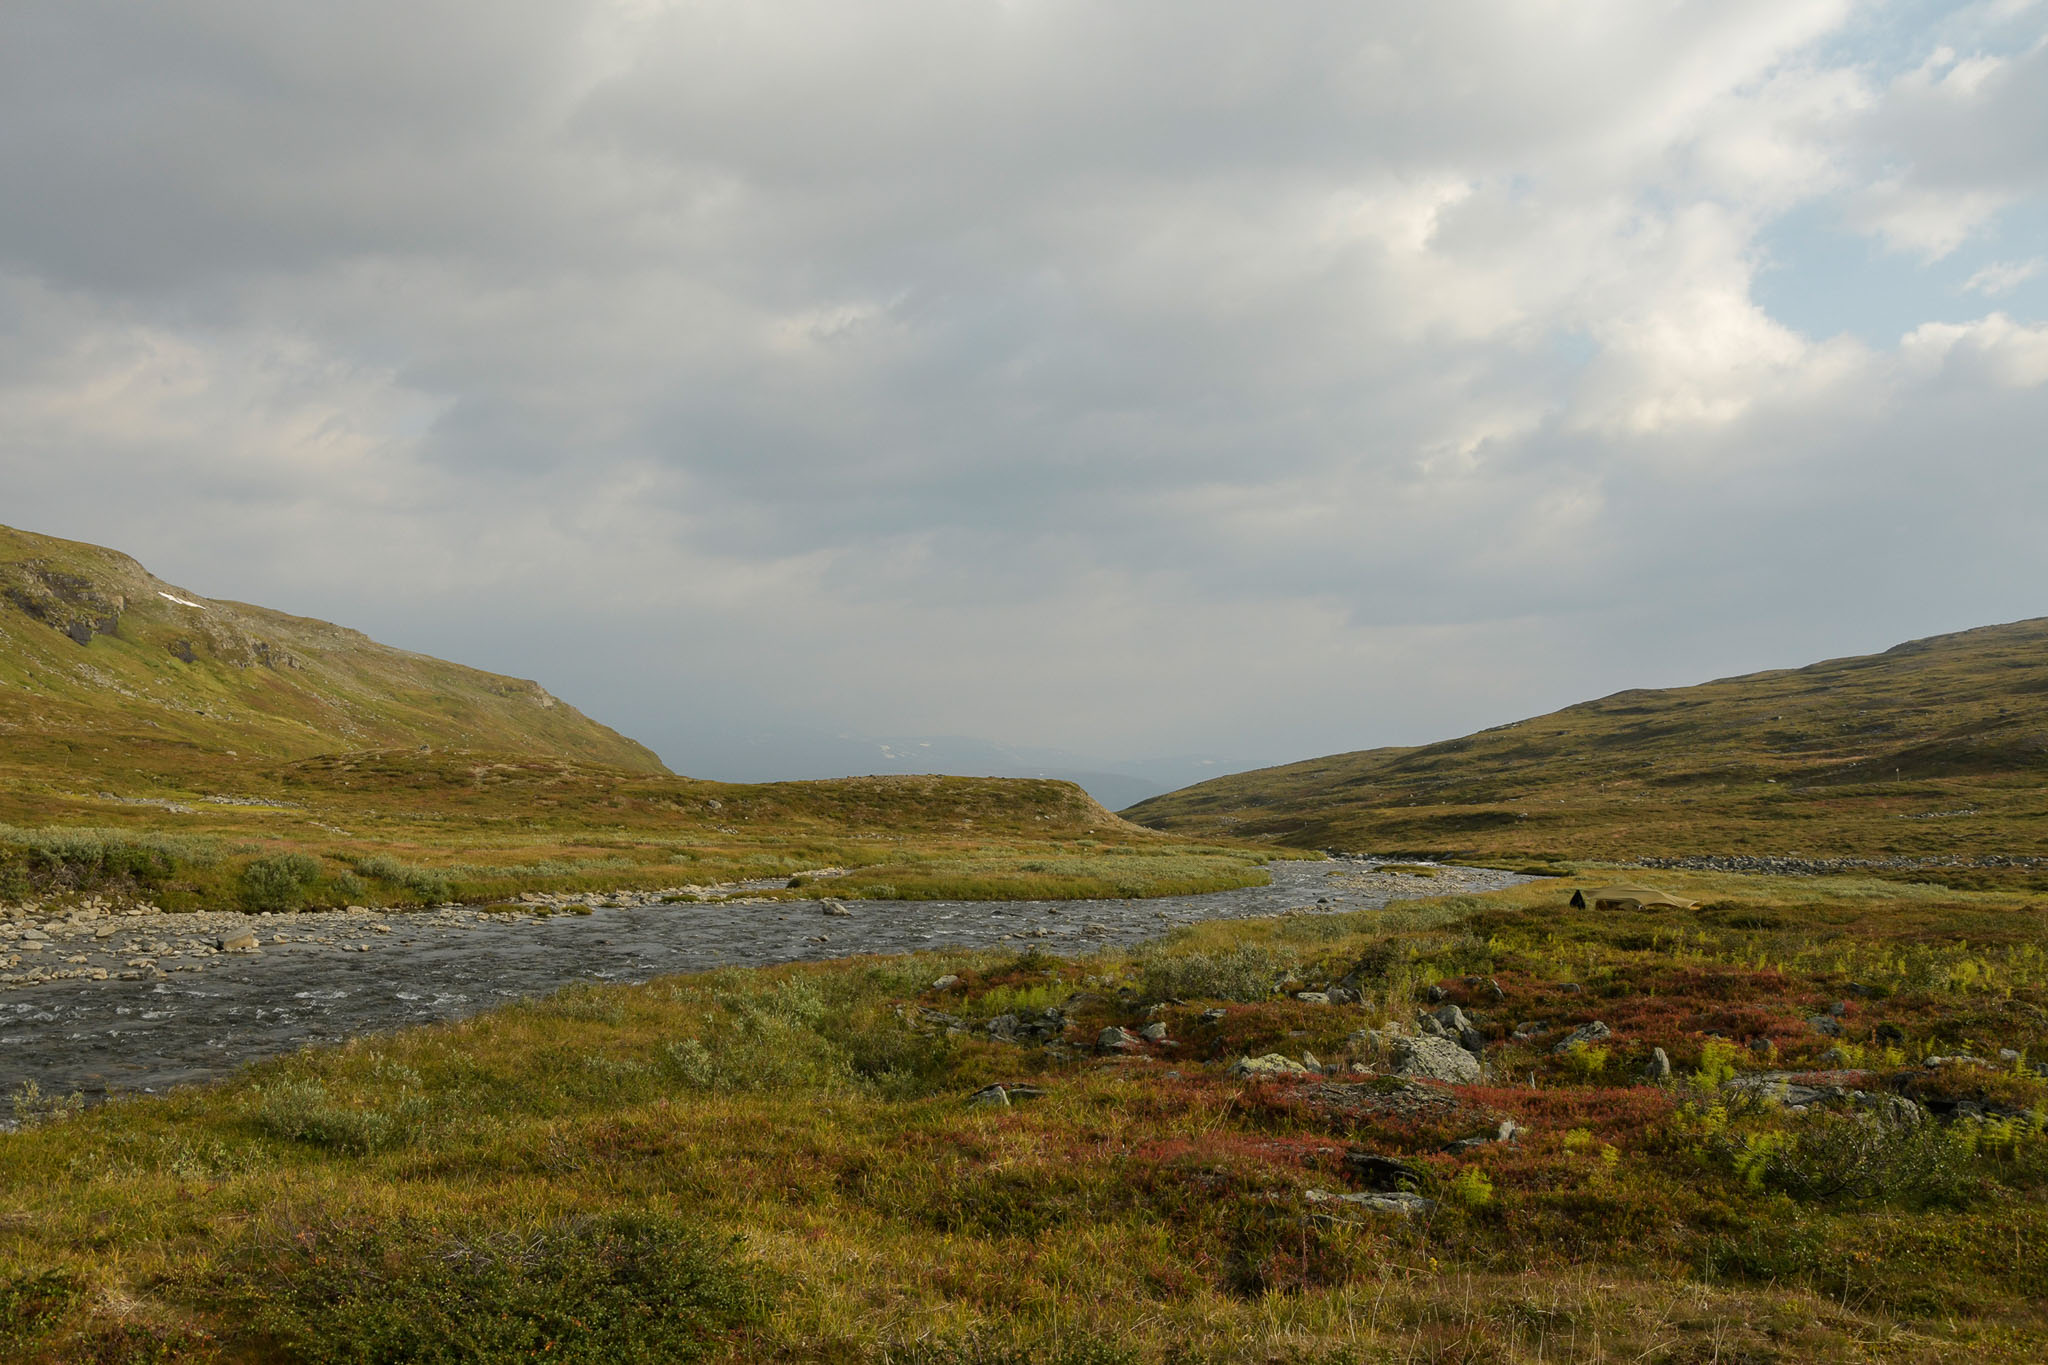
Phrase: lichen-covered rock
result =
(1435, 1059)
(1396, 1201)
(1582, 1036)
(1267, 1067)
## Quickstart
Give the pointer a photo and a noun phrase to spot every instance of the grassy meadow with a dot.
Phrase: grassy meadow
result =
(408, 828)
(785, 1165)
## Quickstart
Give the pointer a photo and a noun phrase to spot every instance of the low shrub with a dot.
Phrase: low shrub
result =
(279, 882)
(303, 1111)
(617, 1291)
(421, 883)
(1249, 972)
(896, 1063)
(1268, 1248)
(584, 1004)
(56, 860)
(1066, 1349)
(32, 1108)
(1860, 1157)
(141, 1343)
(33, 1302)
(769, 1038)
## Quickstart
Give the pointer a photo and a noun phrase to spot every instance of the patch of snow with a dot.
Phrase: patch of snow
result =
(168, 597)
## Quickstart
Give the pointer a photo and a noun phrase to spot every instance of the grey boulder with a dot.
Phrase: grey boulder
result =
(1435, 1059)
(1267, 1067)
(1117, 1039)
(1583, 1035)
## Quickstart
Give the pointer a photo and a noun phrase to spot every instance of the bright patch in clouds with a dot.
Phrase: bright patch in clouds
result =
(1140, 379)
(2002, 277)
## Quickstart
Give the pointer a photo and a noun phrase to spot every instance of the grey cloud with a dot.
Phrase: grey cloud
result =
(963, 368)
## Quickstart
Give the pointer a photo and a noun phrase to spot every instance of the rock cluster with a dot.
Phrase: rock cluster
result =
(1801, 1090)
(1795, 866)
(96, 939)
(1028, 1028)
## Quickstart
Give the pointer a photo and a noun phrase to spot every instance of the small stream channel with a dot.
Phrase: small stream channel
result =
(102, 1037)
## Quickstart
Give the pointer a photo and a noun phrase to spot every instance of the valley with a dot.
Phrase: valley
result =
(356, 1006)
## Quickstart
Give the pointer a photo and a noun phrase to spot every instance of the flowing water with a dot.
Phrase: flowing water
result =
(126, 1035)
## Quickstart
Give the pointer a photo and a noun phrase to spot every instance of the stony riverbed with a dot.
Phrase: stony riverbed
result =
(100, 999)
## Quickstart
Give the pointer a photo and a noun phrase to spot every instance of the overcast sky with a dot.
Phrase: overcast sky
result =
(1134, 378)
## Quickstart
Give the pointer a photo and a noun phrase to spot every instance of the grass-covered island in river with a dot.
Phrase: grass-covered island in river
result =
(1771, 1118)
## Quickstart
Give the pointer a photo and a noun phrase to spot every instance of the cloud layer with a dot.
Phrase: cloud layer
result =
(1133, 379)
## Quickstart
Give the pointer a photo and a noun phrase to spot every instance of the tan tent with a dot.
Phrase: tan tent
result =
(1631, 898)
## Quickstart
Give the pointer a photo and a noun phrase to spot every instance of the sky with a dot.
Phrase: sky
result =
(1151, 387)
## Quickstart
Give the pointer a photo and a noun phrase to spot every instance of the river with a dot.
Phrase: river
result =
(106, 1036)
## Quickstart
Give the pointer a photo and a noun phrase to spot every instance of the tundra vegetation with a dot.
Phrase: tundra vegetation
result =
(1926, 761)
(807, 1163)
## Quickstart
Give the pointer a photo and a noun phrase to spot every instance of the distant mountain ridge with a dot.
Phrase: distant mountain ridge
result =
(98, 655)
(796, 753)
(1937, 748)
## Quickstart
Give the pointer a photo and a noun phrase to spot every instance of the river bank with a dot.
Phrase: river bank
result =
(322, 977)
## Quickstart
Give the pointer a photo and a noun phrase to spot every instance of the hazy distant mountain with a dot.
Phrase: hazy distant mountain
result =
(791, 755)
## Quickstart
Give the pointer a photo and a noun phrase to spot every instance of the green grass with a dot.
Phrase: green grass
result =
(780, 1164)
(125, 703)
(1933, 750)
(288, 764)
(447, 826)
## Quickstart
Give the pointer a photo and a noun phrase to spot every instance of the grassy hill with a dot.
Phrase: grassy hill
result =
(1935, 749)
(100, 659)
(156, 744)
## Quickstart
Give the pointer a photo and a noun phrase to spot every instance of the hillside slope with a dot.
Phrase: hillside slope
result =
(1934, 749)
(100, 658)
(159, 747)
